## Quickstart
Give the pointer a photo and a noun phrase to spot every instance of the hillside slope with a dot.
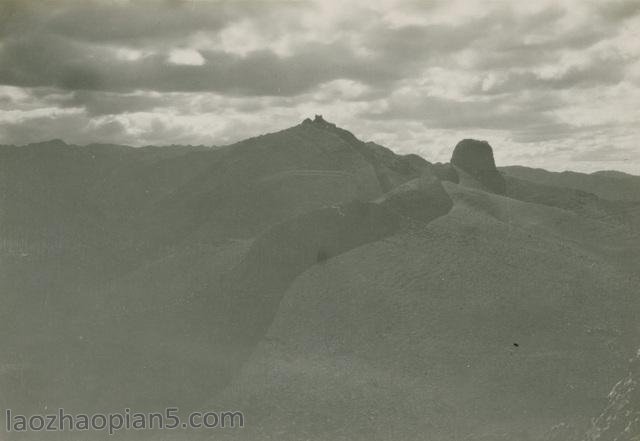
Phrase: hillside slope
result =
(412, 336)
(328, 287)
(615, 186)
(118, 258)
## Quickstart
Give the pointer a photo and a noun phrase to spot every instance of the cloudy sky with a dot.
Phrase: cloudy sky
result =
(548, 84)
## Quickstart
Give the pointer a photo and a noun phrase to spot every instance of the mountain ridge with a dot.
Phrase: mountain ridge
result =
(344, 273)
(318, 122)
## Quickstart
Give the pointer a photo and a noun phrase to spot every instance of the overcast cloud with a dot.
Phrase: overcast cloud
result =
(548, 84)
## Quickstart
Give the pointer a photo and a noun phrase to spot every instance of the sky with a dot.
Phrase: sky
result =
(550, 84)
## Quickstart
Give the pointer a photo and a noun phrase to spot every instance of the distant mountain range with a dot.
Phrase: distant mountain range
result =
(329, 287)
(607, 184)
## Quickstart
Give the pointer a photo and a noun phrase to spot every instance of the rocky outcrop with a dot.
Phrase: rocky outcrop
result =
(475, 158)
(318, 120)
(563, 432)
(620, 421)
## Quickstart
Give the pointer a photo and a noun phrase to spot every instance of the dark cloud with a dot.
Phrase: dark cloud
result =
(598, 71)
(53, 62)
(618, 11)
(108, 103)
(531, 72)
(71, 46)
(492, 114)
(137, 22)
(415, 43)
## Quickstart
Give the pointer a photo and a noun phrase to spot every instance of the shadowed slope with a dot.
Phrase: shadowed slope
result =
(256, 183)
(279, 255)
(412, 337)
(131, 248)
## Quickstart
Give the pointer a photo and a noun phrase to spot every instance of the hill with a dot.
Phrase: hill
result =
(413, 335)
(615, 186)
(328, 287)
(131, 244)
